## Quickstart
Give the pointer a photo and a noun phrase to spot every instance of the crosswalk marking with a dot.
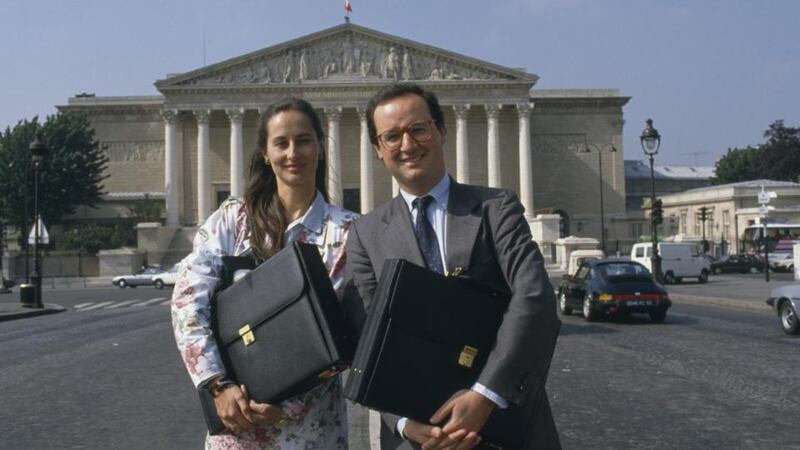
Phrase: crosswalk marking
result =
(121, 304)
(95, 306)
(152, 300)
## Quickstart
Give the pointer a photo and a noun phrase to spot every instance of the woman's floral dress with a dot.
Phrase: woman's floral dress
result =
(319, 416)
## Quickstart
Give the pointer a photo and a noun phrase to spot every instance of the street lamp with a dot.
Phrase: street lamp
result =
(600, 149)
(38, 151)
(651, 141)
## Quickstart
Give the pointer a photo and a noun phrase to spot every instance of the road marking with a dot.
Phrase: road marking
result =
(98, 305)
(121, 304)
(81, 305)
(152, 300)
(166, 302)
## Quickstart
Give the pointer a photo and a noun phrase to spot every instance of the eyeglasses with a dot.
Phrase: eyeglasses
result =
(421, 131)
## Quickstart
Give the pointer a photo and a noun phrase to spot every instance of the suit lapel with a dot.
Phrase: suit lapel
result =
(399, 235)
(463, 225)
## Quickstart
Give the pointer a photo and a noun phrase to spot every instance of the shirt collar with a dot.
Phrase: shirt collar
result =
(440, 193)
(313, 218)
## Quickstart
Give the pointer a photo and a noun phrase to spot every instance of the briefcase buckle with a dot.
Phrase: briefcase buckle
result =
(467, 357)
(328, 373)
(247, 335)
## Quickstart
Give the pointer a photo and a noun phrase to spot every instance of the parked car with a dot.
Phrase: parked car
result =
(781, 262)
(785, 300)
(738, 264)
(679, 260)
(143, 277)
(613, 287)
(167, 278)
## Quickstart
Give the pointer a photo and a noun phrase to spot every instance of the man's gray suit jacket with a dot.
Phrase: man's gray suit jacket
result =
(490, 240)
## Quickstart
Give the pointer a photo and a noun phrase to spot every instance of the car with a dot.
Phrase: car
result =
(781, 262)
(679, 260)
(738, 264)
(143, 277)
(167, 278)
(612, 287)
(785, 300)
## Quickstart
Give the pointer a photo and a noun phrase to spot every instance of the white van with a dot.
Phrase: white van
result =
(678, 260)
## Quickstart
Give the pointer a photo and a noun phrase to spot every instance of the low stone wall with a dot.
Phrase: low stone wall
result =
(54, 264)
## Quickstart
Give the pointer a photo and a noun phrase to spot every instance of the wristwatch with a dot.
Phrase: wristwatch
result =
(216, 386)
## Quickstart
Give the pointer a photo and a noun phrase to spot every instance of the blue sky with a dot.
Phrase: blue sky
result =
(712, 74)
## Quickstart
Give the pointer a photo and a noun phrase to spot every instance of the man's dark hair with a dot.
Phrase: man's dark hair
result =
(395, 90)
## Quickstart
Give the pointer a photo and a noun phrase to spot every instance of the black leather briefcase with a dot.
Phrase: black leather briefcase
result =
(426, 337)
(280, 329)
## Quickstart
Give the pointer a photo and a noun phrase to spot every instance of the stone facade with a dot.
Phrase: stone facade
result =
(731, 208)
(191, 144)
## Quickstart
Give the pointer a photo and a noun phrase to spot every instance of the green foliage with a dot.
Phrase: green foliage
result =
(91, 238)
(777, 159)
(146, 210)
(71, 173)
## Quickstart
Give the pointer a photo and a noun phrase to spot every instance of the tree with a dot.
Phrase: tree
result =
(777, 159)
(71, 174)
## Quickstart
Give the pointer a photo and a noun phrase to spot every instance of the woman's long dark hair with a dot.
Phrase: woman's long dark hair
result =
(267, 216)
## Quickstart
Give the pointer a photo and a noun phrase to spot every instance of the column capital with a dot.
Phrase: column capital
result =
(333, 113)
(170, 116)
(493, 110)
(236, 115)
(461, 111)
(362, 112)
(202, 116)
(524, 110)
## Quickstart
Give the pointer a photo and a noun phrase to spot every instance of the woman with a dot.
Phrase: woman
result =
(284, 202)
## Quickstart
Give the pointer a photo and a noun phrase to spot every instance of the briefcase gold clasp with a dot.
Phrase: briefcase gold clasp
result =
(247, 335)
(328, 373)
(467, 357)
(455, 272)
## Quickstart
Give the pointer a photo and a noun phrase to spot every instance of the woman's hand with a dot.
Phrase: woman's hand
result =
(263, 413)
(233, 408)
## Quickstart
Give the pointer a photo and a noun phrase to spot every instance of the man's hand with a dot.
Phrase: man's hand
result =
(432, 437)
(468, 411)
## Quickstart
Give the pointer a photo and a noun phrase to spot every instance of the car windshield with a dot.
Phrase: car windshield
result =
(624, 270)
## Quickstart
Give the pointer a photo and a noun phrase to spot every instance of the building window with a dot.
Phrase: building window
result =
(222, 195)
(352, 199)
(684, 225)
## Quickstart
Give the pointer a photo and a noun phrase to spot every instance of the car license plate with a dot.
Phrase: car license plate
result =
(640, 303)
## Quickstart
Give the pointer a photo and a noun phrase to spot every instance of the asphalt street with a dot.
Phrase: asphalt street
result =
(106, 373)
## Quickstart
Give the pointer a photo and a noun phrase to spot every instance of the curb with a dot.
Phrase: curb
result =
(24, 312)
(746, 305)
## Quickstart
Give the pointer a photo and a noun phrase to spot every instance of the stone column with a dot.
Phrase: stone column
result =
(171, 161)
(203, 165)
(367, 187)
(493, 144)
(462, 143)
(525, 158)
(236, 115)
(334, 114)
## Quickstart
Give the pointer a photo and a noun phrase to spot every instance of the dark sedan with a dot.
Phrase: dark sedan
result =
(738, 264)
(613, 287)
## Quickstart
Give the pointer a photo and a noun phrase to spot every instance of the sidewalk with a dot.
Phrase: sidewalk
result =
(11, 308)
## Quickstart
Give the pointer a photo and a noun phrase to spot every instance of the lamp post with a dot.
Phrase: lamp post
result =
(651, 141)
(600, 149)
(38, 151)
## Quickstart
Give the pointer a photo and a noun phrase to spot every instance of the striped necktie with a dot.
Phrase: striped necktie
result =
(426, 236)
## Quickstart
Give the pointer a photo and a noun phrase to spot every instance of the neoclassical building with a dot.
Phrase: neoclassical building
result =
(191, 145)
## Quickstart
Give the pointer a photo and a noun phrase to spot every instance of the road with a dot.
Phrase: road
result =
(710, 377)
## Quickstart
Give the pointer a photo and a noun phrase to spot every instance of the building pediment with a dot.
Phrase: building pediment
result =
(345, 54)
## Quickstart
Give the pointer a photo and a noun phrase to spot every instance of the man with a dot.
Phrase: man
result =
(447, 226)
